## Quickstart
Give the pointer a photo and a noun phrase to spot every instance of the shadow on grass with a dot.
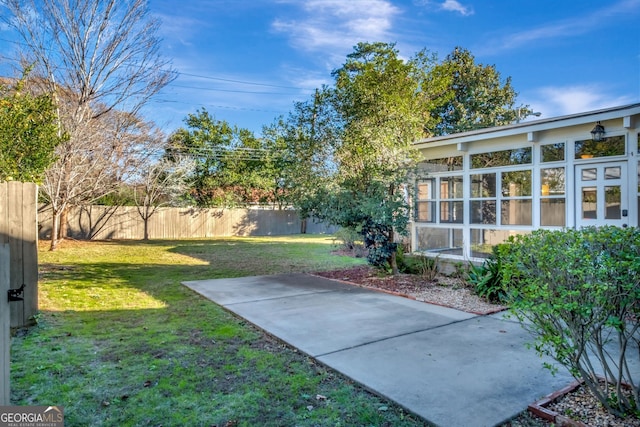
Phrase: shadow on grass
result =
(124, 343)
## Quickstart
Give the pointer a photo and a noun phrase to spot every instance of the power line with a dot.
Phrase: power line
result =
(229, 90)
(226, 107)
(181, 73)
(239, 81)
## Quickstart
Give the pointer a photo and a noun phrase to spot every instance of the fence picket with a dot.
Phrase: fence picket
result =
(180, 223)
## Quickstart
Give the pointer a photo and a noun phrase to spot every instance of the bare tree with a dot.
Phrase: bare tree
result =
(162, 184)
(96, 57)
(111, 151)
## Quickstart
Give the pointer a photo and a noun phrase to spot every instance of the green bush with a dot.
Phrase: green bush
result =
(420, 264)
(350, 239)
(487, 278)
(578, 292)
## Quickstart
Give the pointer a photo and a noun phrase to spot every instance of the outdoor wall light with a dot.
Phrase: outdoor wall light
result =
(597, 133)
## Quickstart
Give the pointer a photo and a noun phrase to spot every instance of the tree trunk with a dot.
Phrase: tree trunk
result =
(63, 229)
(146, 228)
(393, 262)
(55, 220)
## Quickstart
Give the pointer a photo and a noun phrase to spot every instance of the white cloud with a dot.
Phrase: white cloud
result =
(178, 30)
(447, 5)
(337, 25)
(456, 6)
(554, 101)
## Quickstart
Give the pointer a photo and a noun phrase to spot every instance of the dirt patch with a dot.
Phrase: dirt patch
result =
(453, 292)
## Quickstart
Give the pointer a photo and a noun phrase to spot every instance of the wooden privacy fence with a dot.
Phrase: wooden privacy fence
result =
(5, 337)
(18, 267)
(19, 229)
(124, 222)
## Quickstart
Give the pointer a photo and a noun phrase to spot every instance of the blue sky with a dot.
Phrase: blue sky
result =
(247, 61)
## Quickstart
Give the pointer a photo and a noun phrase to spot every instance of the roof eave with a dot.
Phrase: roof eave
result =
(531, 126)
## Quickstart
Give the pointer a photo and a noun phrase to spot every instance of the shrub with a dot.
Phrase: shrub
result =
(487, 278)
(350, 239)
(423, 265)
(578, 292)
(378, 243)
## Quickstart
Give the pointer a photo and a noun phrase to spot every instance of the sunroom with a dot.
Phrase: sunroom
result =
(477, 188)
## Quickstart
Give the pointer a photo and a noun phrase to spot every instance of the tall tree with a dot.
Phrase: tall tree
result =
(231, 164)
(302, 150)
(481, 98)
(382, 104)
(29, 133)
(94, 57)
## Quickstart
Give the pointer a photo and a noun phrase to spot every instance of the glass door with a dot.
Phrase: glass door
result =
(602, 194)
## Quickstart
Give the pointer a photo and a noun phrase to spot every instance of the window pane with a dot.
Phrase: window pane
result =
(483, 240)
(451, 187)
(483, 185)
(483, 212)
(552, 212)
(613, 173)
(516, 183)
(451, 212)
(552, 152)
(446, 164)
(552, 182)
(441, 240)
(516, 212)
(425, 211)
(588, 148)
(589, 174)
(612, 202)
(518, 156)
(425, 190)
(589, 203)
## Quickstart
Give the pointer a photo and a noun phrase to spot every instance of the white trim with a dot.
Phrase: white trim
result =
(534, 135)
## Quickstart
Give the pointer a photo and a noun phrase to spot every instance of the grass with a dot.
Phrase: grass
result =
(120, 342)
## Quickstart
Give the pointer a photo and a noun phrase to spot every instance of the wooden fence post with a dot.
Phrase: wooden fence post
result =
(19, 228)
(5, 320)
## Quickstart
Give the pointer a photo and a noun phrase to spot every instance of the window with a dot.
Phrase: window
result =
(552, 197)
(446, 164)
(446, 201)
(483, 240)
(552, 152)
(611, 146)
(517, 156)
(451, 203)
(516, 198)
(425, 204)
(441, 240)
(483, 198)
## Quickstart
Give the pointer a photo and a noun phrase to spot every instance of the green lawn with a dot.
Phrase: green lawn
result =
(119, 341)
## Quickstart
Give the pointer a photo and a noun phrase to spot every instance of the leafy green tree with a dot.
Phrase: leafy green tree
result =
(301, 148)
(29, 134)
(381, 105)
(481, 98)
(231, 164)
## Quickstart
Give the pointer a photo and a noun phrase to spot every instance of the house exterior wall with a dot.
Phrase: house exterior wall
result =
(476, 189)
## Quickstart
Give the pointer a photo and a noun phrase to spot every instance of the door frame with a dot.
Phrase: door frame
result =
(599, 184)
